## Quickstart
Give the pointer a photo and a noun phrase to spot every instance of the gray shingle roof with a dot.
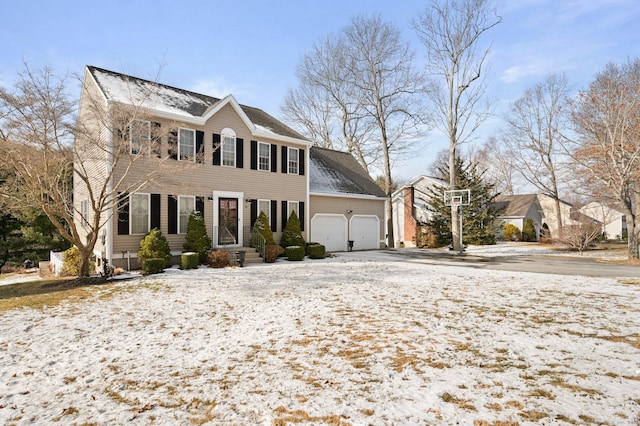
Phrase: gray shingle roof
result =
(336, 172)
(127, 89)
(515, 205)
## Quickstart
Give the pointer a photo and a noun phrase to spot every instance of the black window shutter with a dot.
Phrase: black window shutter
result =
(123, 214)
(172, 205)
(199, 146)
(173, 145)
(254, 212)
(239, 153)
(254, 155)
(285, 214)
(274, 157)
(274, 215)
(200, 205)
(301, 162)
(156, 140)
(301, 215)
(155, 211)
(216, 149)
(285, 166)
(122, 139)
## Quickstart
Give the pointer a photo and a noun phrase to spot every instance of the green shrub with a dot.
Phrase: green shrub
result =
(306, 246)
(263, 227)
(271, 253)
(218, 259)
(529, 231)
(316, 251)
(153, 266)
(196, 239)
(71, 262)
(511, 232)
(294, 252)
(292, 234)
(154, 246)
(189, 260)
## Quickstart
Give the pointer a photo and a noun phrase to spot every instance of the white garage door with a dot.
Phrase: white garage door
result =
(330, 230)
(365, 232)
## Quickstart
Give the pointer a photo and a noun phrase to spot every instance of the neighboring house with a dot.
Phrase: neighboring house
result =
(537, 207)
(229, 161)
(614, 222)
(345, 203)
(519, 208)
(409, 205)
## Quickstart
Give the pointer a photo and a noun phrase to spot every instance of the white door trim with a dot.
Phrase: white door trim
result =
(216, 220)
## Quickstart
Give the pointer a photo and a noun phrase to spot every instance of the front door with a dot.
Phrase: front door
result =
(227, 221)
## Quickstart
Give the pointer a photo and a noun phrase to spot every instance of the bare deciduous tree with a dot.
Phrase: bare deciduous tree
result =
(537, 125)
(450, 31)
(48, 149)
(367, 76)
(499, 164)
(607, 152)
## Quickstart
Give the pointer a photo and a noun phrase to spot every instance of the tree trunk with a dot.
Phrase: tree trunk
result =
(558, 214)
(455, 224)
(84, 262)
(633, 231)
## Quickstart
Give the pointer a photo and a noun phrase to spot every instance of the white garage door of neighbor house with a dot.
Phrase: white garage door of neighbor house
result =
(365, 232)
(330, 230)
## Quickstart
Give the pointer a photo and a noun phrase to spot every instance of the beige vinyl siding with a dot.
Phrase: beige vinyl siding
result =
(188, 178)
(339, 205)
(93, 159)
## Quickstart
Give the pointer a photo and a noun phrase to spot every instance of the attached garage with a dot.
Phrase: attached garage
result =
(329, 230)
(365, 232)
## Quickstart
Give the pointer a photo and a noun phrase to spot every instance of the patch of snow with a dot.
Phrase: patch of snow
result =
(363, 338)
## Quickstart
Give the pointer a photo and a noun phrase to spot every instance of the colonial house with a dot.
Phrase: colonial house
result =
(409, 205)
(226, 160)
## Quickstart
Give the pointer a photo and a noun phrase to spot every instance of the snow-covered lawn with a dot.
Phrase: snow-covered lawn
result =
(362, 338)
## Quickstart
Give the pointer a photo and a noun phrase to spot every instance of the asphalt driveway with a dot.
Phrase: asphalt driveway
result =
(545, 264)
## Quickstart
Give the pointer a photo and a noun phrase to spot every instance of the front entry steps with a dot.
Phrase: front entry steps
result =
(251, 256)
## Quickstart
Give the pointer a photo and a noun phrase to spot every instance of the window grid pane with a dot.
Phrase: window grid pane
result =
(228, 151)
(265, 206)
(140, 135)
(187, 204)
(293, 161)
(187, 146)
(139, 213)
(264, 156)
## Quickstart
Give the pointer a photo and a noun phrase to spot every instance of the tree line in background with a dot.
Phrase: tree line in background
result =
(359, 90)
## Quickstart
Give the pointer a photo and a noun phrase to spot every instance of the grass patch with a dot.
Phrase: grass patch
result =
(41, 293)
(286, 417)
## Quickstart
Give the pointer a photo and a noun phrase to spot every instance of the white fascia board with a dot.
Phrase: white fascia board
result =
(342, 195)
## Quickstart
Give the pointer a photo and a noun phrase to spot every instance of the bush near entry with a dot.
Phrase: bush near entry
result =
(511, 233)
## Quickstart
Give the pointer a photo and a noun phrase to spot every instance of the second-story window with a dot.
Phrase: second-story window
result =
(139, 136)
(228, 147)
(186, 145)
(264, 156)
(293, 161)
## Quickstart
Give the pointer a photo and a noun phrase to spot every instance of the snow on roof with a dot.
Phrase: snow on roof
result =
(335, 172)
(182, 103)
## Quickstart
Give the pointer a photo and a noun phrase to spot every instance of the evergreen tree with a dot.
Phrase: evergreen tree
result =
(529, 231)
(154, 246)
(292, 234)
(263, 227)
(197, 239)
(479, 224)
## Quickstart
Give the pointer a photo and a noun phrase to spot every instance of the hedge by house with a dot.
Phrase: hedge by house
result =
(196, 239)
(154, 246)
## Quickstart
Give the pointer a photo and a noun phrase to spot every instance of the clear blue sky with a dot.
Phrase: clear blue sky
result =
(251, 48)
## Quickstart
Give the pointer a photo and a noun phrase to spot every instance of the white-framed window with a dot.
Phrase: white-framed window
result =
(186, 145)
(186, 205)
(84, 213)
(139, 136)
(265, 206)
(292, 159)
(139, 213)
(264, 156)
(228, 147)
(293, 206)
